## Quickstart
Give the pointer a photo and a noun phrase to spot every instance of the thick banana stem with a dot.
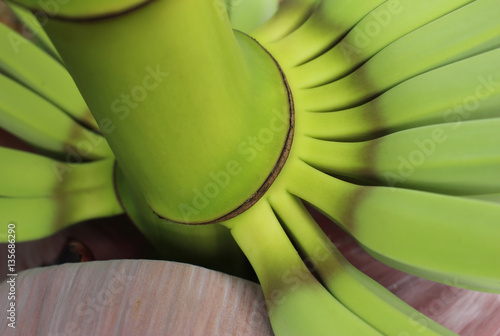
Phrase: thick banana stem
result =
(188, 108)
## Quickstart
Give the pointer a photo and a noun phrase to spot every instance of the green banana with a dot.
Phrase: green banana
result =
(84, 192)
(453, 39)
(247, 15)
(40, 217)
(38, 183)
(291, 15)
(355, 290)
(334, 17)
(229, 122)
(352, 118)
(32, 67)
(40, 123)
(39, 194)
(28, 175)
(297, 303)
(387, 23)
(32, 23)
(437, 241)
(458, 159)
(420, 101)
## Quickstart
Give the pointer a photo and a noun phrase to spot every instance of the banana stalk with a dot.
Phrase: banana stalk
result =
(212, 77)
(44, 195)
(201, 120)
(210, 246)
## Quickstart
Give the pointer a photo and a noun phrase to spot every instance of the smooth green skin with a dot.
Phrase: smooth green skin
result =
(82, 9)
(30, 175)
(362, 296)
(384, 25)
(236, 93)
(358, 292)
(291, 14)
(424, 233)
(453, 39)
(40, 123)
(31, 22)
(40, 185)
(447, 239)
(205, 245)
(247, 15)
(427, 99)
(26, 174)
(40, 195)
(330, 21)
(297, 303)
(41, 216)
(40, 72)
(455, 158)
(494, 198)
(418, 224)
(286, 283)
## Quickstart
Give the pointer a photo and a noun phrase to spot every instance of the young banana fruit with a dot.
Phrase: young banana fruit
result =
(69, 175)
(384, 115)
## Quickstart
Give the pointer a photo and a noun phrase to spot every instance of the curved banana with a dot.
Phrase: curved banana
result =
(291, 15)
(34, 68)
(30, 175)
(356, 291)
(456, 158)
(32, 23)
(40, 217)
(39, 214)
(38, 122)
(430, 235)
(396, 98)
(384, 25)
(249, 15)
(453, 39)
(328, 23)
(466, 90)
(297, 303)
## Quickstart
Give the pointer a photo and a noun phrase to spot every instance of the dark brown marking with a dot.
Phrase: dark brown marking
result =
(90, 18)
(277, 168)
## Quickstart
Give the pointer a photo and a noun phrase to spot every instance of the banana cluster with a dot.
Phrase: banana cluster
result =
(397, 140)
(67, 178)
(396, 137)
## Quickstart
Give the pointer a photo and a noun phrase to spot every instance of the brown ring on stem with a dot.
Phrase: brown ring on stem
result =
(271, 177)
(277, 167)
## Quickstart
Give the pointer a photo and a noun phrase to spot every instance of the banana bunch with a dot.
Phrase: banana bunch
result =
(384, 115)
(400, 142)
(397, 139)
(67, 178)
